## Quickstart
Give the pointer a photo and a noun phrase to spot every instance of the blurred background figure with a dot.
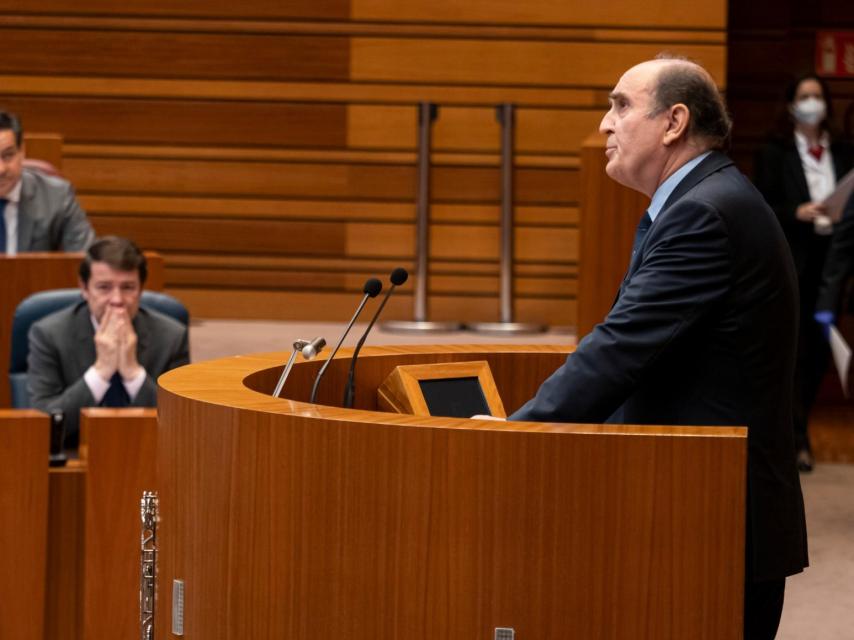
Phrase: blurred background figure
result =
(38, 211)
(796, 170)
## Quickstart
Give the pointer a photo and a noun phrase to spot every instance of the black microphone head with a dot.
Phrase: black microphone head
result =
(399, 276)
(372, 287)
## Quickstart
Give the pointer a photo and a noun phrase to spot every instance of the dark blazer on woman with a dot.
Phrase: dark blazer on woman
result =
(703, 332)
(780, 178)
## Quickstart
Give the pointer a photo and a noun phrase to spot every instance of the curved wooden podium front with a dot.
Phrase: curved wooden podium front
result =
(304, 521)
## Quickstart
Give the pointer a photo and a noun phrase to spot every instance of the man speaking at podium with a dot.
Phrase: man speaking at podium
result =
(703, 329)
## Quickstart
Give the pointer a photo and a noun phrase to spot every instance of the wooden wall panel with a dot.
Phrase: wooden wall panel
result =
(471, 128)
(145, 54)
(293, 238)
(272, 146)
(509, 62)
(377, 182)
(95, 120)
(661, 13)
(196, 8)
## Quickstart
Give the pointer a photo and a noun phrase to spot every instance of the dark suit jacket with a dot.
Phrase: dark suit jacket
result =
(838, 266)
(703, 332)
(62, 348)
(780, 178)
(49, 217)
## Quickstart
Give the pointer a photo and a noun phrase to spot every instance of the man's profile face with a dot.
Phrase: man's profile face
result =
(11, 162)
(108, 287)
(634, 147)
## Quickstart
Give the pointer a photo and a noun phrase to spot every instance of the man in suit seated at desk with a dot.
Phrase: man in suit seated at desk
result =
(39, 212)
(104, 351)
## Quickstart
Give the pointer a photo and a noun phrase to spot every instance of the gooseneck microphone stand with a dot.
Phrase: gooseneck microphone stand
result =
(398, 277)
(371, 290)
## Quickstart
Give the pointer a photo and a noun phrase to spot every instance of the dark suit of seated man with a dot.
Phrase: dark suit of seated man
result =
(38, 212)
(106, 350)
(704, 327)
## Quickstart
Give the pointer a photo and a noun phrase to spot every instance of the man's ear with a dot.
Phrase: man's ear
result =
(677, 123)
(82, 286)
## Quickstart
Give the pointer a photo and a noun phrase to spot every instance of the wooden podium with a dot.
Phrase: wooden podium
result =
(286, 519)
(26, 273)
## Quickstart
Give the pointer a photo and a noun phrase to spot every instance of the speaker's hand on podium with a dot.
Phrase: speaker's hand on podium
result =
(488, 417)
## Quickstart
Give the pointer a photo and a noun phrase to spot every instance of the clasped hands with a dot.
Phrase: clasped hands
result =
(115, 345)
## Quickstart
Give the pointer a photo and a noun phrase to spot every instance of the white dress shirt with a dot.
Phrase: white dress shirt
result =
(11, 216)
(820, 174)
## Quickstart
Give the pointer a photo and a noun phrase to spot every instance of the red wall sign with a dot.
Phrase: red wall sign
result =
(834, 54)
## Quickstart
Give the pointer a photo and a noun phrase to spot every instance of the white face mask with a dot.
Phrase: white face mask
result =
(809, 111)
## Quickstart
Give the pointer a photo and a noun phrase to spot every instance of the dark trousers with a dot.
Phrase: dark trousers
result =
(763, 606)
(812, 361)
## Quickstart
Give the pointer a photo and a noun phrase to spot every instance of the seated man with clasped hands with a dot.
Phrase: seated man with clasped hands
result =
(106, 350)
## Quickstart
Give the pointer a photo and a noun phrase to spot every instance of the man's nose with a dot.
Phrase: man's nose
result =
(116, 297)
(606, 125)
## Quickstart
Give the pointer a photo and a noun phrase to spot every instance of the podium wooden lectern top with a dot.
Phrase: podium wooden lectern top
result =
(286, 519)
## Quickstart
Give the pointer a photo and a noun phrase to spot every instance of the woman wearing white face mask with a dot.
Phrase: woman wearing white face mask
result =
(796, 171)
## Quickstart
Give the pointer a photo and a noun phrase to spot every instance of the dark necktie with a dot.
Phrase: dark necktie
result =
(117, 395)
(640, 234)
(3, 202)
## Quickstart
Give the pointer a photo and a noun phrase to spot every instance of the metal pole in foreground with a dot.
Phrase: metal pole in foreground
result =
(427, 112)
(507, 117)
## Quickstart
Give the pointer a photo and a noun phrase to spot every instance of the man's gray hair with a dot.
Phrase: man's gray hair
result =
(688, 83)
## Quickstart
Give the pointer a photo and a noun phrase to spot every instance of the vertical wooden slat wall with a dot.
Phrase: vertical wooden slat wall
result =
(267, 149)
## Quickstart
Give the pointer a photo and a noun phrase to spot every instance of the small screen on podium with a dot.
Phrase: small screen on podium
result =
(454, 397)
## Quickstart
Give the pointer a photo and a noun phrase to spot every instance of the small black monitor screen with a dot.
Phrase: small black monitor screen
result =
(454, 397)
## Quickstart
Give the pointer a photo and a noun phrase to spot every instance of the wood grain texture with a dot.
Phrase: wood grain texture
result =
(659, 13)
(245, 304)
(65, 564)
(347, 181)
(404, 93)
(121, 464)
(27, 273)
(449, 61)
(328, 522)
(131, 53)
(470, 128)
(43, 146)
(177, 122)
(200, 8)
(23, 527)
(224, 118)
(306, 209)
